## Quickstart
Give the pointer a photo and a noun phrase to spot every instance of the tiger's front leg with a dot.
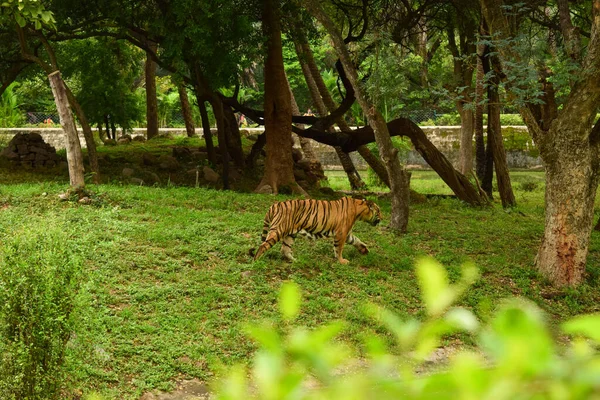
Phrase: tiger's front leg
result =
(356, 242)
(338, 246)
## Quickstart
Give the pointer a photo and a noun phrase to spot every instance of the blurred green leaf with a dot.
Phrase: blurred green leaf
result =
(584, 325)
(289, 301)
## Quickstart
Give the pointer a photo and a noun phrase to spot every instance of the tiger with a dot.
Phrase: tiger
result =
(315, 219)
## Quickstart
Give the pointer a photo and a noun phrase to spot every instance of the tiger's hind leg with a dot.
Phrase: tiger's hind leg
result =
(286, 248)
(356, 242)
(271, 238)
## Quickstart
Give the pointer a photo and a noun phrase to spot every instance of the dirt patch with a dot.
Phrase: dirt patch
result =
(186, 390)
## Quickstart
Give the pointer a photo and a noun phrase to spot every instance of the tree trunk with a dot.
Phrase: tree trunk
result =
(151, 101)
(571, 184)
(569, 148)
(217, 106)
(87, 134)
(487, 182)
(399, 177)
(324, 103)
(305, 143)
(466, 139)
(73, 147)
(234, 139)
(186, 110)
(494, 135)
(279, 166)
(106, 122)
(208, 138)
(479, 98)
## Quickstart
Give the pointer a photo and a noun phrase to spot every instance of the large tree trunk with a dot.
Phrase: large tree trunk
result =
(569, 148)
(73, 147)
(87, 134)
(324, 103)
(186, 110)
(151, 100)
(399, 177)
(279, 166)
(571, 185)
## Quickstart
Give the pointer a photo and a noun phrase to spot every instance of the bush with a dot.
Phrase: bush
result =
(517, 356)
(38, 285)
(528, 186)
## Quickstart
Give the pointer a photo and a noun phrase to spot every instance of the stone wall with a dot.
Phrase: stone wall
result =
(521, 152)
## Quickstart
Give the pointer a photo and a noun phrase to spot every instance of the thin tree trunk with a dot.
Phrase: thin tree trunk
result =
(495, 137)
(106, 122)
(305, 143)
(73, 147)
(324, 103)
(151, 101)
(399, 177)
(186, 110)
(87, 134)
(479, 98)
(234, 140)
(208, 138)
(217, 107)
(466, 139)
(279, 166)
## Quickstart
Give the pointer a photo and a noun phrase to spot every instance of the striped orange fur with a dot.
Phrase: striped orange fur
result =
(315, 219)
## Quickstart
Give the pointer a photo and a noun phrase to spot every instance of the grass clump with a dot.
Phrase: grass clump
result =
(38, 285)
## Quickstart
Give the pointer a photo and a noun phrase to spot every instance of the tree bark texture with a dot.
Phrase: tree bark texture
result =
(399, 177)
(87, 134)
(279, 165)
(570, 193)
(73, 147)
(186, 110)
(151, 100)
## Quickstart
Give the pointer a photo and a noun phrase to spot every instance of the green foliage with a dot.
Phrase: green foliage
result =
(38, 284)
(518, 357)
(10, 114)
(27, 11)
(103, 74)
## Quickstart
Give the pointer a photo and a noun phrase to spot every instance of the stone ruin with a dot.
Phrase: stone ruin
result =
(29, 149)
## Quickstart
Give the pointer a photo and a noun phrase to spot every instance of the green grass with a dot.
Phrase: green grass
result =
(169, 284)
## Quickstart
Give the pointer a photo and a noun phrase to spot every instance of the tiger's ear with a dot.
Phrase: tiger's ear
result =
(370, 203)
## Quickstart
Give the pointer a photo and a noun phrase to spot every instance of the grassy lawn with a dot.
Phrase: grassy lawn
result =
(169, 285)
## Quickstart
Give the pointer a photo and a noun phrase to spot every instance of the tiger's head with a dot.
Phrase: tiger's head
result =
(371, 213)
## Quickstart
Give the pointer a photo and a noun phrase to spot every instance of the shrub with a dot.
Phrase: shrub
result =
(517, 356)
(38, 285)
(528, 186)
